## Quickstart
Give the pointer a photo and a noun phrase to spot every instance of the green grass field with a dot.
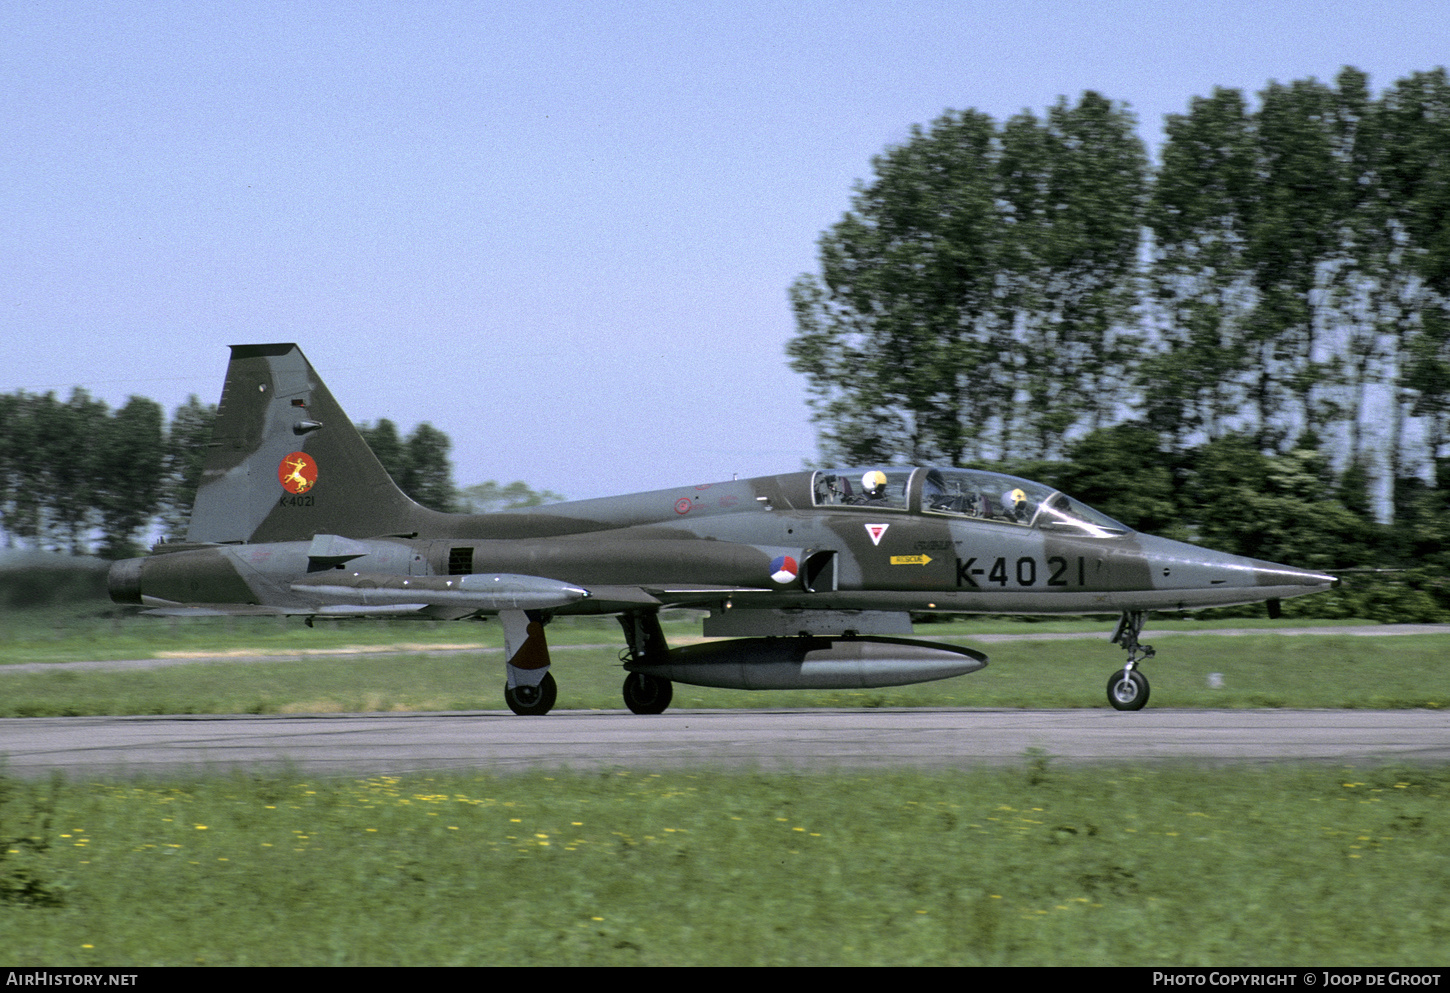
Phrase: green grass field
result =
(1027, 866)
(1141, 865)
(369, 666)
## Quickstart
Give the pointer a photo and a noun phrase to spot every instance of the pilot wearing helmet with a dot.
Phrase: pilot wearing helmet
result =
(873, 489)
(873, 484)
(1014, 505)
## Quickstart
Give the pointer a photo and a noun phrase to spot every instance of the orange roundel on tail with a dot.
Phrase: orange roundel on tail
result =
(297, 472)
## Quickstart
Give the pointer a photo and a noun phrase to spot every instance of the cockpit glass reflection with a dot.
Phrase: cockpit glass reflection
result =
(975, 493)
(880, 488)
(995, 497)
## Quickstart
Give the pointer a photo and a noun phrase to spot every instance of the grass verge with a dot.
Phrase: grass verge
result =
(1032, 865)
(337, 668)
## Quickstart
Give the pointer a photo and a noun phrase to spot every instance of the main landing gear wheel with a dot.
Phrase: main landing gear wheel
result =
(646, 694)
(1128, 690)
(532, 701)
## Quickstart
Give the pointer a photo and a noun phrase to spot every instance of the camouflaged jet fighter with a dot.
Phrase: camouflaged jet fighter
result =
(813, 575)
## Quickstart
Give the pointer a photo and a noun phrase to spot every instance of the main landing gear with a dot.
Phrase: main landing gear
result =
(1128, 688)
(530, 690)
(644, 693)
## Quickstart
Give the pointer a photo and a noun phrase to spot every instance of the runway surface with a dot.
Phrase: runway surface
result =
(776, 739)
(801, 740)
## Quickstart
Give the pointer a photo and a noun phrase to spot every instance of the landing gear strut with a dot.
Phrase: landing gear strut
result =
(1128, 688)
(644, 693)
(530, 690)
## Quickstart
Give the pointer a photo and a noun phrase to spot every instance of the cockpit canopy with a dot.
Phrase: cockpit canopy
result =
(975, 493)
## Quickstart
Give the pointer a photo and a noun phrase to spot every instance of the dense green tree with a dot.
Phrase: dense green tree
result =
(186, 440)
(428, 477)
(979, 286)
(25, 505)
(11, 426)
(1018, 292)
(1087, 235)
(1358, 280)
(1414, 170)
(1283, 508)
(1421, 532)
(1286, 273)
(892, 334)
(1417, 167)
(129, 474)
(1124, 472)
(419, 464)
(1428, 375)
(387, 446)
(1192, 383)
(51, 469)
(67, 444)
(1293, 232)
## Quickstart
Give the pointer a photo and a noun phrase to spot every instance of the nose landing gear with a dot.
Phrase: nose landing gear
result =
(1128, 688)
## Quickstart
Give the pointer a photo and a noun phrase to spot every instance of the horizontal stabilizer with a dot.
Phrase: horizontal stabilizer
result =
(333, 548)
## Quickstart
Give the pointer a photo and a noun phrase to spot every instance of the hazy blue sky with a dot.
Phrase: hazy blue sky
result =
(561, 232)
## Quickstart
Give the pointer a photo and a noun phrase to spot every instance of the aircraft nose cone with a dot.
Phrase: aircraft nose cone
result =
(1212, 578)
(1273, 574)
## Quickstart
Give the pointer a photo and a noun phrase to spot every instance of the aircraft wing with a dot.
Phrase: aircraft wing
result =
(490, 593)
(332, 594)
(479, 592)
(162, 608)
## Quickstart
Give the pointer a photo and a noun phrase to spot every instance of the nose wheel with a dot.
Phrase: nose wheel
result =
(1128, 689)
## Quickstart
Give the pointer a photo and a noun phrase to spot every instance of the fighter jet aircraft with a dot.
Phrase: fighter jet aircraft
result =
(813, 575)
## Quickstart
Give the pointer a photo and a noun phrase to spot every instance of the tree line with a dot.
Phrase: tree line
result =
(1246, 345)
(998, 290)
(420, 466)
(79, 477)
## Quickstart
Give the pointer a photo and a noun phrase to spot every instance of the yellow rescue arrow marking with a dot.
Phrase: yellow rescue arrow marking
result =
(910, 559)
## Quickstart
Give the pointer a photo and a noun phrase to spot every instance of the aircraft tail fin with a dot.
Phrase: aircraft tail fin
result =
(285, 463)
